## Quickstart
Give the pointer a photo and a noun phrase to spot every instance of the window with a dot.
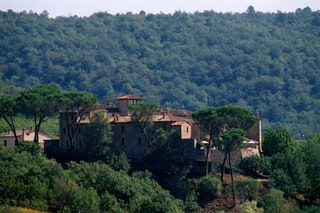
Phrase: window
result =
(80, 143)
(122, 129)
(79, 130)
(187, 129)
(5, 142)
(64, 130)
(122, 141)
(67, 143)
(139, 141)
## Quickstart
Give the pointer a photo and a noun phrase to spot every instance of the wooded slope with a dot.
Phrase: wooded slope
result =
(266, 62)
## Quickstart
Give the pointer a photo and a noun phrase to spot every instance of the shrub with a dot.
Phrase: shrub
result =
(209, 187)
(248, 189)
(255, 164)
(280, 180)
(273, 201)
(249, 207)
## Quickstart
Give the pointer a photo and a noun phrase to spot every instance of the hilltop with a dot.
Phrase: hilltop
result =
(266, 62)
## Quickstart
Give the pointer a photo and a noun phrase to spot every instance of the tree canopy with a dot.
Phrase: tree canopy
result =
(266, 62)
(142, 117)
(39, 104)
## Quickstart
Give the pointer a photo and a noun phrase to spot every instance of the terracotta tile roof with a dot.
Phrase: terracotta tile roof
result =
(178, 123)
(20, 133)
(176, 117)
(129, 97)
(120, 119)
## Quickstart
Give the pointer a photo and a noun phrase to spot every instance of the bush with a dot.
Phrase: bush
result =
(272, 202)
(280, 180)
(248, 189)
(310, 209)
(255, 164)
(209, 187)
(250, 207)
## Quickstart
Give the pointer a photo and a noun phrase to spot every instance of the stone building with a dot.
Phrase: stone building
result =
(128, 138)
(8, 138)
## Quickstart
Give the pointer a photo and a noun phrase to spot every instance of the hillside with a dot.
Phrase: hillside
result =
(266, 62)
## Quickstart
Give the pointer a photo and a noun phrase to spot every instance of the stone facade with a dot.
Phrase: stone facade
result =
(128, 138)
(8, 138)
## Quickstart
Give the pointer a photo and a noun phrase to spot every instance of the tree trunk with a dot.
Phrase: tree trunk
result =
(232, 185)
(36, 133)
(207, 156)
(223, 166)
(13, 129)
(145, 134)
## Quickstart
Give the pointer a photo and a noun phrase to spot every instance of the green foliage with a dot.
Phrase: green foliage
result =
(118, 162)
(39, 104)
(142, 117)
(132, 193)
(248, 190)
(167, 156)
(236, 117)
(8, 112)
(208, 120)
(214, 121)
(256, 165)
(250, 207)
(26, 179)
(97, 137)
(310, 209)
(253, 59)
(312, 148)
(29, 147)
(78, 104)
(272, 202)
(278, 140)
(209, 187)
(217, 121)
(292, 174)
(170, 166)
(30, 180)
(231, 139)
(280, 180)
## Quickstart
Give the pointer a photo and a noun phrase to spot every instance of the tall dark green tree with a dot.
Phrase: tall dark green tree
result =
(231, 140)
(142, 118)
(39, 104)
(210, 123)
(97, 136)
(8, 111)
(170, 165)
(215, 121)
(313, 166)
(76, 106)
(278, 140)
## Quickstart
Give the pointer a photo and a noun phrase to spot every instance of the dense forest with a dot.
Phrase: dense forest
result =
(266, 62)
(285, 179)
